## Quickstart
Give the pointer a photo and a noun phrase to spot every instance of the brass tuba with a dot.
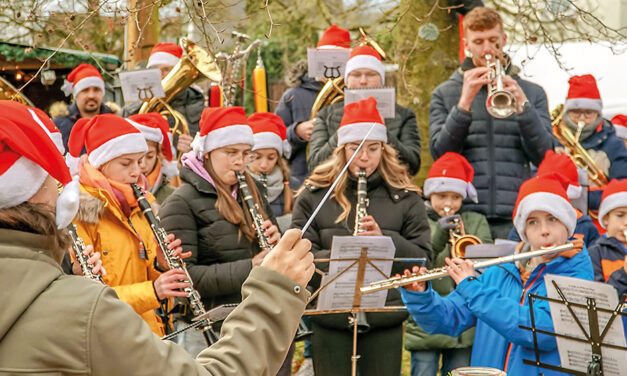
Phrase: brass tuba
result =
(196, 63)
(578, 154)
(458, 238)
(333, 90)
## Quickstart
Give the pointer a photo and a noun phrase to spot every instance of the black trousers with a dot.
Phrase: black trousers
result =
(380, 351)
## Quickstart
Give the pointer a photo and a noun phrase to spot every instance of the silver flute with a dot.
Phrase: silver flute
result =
(437, 273)
(78, 245)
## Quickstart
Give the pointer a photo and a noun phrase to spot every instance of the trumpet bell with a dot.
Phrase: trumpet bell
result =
(501, 104)
(459, 248)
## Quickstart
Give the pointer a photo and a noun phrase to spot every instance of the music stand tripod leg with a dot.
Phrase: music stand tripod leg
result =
(361, 271)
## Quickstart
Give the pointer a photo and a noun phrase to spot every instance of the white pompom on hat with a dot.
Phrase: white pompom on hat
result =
(357, 120)
(28, 155)
(165, 53)
(451, 173)
(614, 196)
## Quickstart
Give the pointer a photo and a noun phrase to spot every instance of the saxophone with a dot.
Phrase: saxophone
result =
(175, 262)
(253, 209)
(78, 245)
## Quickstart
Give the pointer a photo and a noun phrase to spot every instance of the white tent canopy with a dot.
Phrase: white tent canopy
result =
(539, 65)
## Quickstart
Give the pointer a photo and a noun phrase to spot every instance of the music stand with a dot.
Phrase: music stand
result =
(361, 262)
(594, 336)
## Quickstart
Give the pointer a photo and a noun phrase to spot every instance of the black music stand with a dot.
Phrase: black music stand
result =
(594, 336)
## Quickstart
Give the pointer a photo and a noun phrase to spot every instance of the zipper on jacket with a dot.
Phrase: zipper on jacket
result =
(522, 302)
(492, 202)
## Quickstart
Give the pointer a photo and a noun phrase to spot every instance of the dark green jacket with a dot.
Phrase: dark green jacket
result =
(415, 337)
(163, 191)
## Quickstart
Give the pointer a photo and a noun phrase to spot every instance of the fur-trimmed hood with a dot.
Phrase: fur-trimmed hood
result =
(90, 209)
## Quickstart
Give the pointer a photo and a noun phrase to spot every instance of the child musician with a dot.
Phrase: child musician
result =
(496, 301)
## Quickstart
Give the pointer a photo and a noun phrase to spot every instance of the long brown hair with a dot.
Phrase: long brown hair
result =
(393, 172)
(288, 195)
(37, 219)
(229, 208)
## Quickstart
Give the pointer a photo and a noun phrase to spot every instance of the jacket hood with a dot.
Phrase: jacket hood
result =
(310, 83)
(90, 209)
(26, 270)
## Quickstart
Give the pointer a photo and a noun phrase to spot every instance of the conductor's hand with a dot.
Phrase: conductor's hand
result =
(416, 286)
(369, 227)
(459, 269)
(93, 260)
(170, 284)
(184, 143)
(271, 232)
(291, 257)
(474, 79)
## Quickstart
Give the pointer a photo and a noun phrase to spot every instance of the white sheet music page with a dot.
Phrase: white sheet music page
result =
(576, 355)
(327, 63)
(385, 97)
(141, 84)
(339, 294)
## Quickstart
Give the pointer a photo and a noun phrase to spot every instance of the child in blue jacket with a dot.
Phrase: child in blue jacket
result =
(496, 301)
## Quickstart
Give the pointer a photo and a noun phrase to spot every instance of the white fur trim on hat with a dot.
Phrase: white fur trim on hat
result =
(55, 136)
(550, 203)
(357, 131)
(170, 168)
(20, 182)
(265, 140)
(446, 184)
(365, 61)
(150, 133)
(86, 83)
(230, 135)
(126, 144)
(621, 131)
(573, 191)
(287, 149)
(585, 103)
(67, 204)
(611, 202)
(163, 58)
(72, 163)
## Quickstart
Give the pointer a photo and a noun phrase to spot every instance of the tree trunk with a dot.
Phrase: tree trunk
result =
(140, 40)
(424, 64)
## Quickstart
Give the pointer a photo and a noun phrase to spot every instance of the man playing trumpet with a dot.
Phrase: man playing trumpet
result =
(499, 149)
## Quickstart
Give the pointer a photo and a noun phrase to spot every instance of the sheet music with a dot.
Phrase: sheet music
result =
(577, 355)
(340, 293)
(141, 84)
(328, 63)
(385, 97)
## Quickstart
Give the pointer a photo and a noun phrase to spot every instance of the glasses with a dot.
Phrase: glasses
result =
(370, 150)
(235, 156)
(586, 113)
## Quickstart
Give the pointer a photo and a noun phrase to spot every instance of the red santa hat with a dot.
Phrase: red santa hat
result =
(27, 156)
(219, 127)
(335, 37)
(105, 137)
(583, 93)
(155, 128)
(365, 57)
(81, 78)
(614, 196)
(16, 111)
(451, 173)
(357, 120)
(564, 165)
(165, 54)
(269, 131)
(620, 126)
(546, 193)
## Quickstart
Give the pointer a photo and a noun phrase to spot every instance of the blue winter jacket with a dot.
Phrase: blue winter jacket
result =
(492, 303)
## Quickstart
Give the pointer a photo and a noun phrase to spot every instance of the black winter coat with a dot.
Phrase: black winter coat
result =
(65, 123)
(294, 108)
(400, 214)
(402, 132)
(500, 150)
(221, 258)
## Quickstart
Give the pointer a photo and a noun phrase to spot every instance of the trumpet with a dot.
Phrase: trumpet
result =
(458, 238)
(79, 246)
(500, 102)
(437, 273)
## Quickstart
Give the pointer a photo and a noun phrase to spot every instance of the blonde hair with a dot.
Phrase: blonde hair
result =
(393, 172)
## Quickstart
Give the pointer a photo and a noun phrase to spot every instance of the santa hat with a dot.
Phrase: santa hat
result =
(155, 128)
(219, 127)
(105, 137)
(357, 120)
(16, 111)
(614, 196)
(27, 156)
(620, 126)
(583, 93)
(165, 54)
(564, 165)
(82, 77)
(335, 37)
(451, 173)
(546, 193)
(365, 57)
(269, 131)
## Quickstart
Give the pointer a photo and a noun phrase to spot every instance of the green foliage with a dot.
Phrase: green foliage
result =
(19, 53)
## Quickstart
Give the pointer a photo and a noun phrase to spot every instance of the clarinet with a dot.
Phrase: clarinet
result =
(78, 245)
(175, 262)
(253, 208)
(362, 200)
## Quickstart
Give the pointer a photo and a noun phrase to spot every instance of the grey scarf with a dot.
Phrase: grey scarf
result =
(587, 130)
(275, 183)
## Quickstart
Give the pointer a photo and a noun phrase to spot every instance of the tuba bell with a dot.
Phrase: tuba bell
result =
(458, 238)
(500, 102)
(195, 64)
